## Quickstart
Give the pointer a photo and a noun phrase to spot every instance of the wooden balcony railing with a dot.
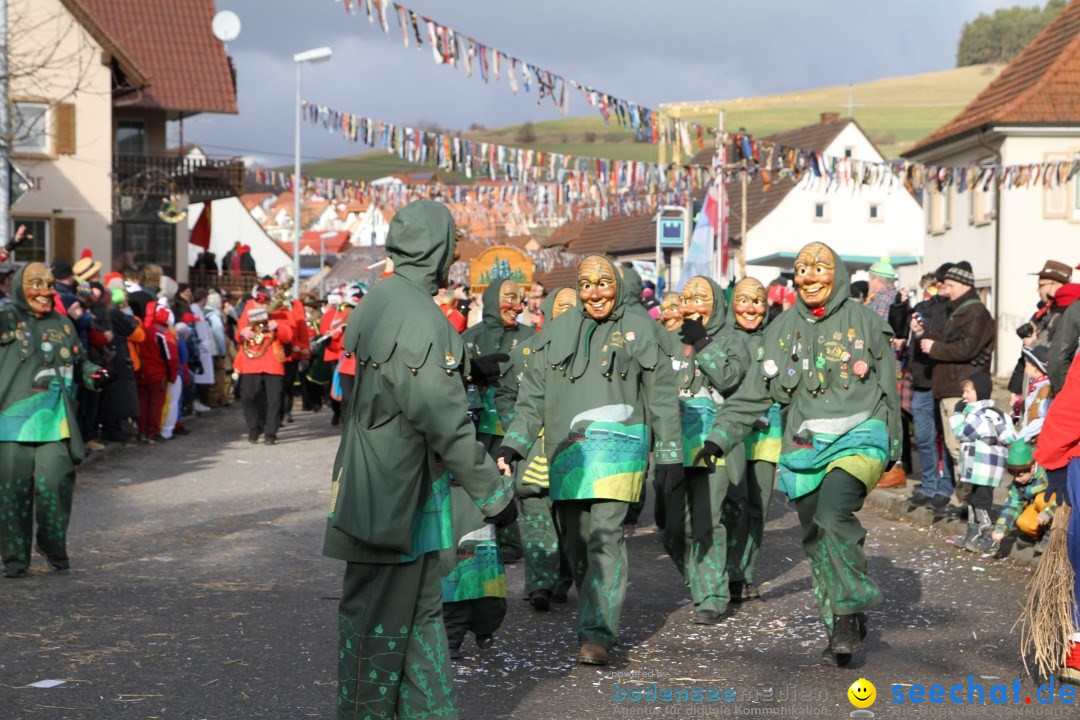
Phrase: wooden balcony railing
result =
(200, 178)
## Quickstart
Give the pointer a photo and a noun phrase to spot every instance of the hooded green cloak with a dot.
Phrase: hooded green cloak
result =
(706, 378)
(836, 377)
(764, 441)
(487, 337)
(402, 440)
(596, 388)
(40, 359)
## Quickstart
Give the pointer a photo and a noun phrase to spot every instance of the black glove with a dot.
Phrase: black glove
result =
(510, 456)
(960, 405)
(693, 333)
(708, 455)
(485, 369)
(670, 476)
(1056, 482)
(102, 379)
(505, 517)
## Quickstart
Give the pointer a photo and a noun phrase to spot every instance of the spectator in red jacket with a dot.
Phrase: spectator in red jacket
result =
(1058, 451)
(160, 365)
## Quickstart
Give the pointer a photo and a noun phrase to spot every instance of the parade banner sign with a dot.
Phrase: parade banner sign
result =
(500, 262)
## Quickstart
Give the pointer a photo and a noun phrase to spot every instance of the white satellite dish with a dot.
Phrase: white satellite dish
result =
(226, 26)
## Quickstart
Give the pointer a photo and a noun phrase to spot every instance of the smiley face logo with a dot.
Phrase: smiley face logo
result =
(862, 693)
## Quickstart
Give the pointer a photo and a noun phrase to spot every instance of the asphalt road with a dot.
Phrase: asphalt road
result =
(198, 592)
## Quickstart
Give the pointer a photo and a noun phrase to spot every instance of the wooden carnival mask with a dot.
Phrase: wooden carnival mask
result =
(815, 273)
(39, 288)
(598, 286)
(564, 300)
(749, 303)
(697, 300)
(671, 312)
(509, 303)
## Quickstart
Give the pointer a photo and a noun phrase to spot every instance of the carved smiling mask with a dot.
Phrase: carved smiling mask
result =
(749, 303)
(698, 300)
(509, 303)
(39, 289)
(671, 312)
(598, 286)
(815, 274)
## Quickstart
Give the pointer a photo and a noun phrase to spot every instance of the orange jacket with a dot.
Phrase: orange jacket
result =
(134, 340)
(271, 362)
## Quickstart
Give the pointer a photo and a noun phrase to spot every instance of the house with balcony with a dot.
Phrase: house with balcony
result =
(1029, 115)
(99, 81)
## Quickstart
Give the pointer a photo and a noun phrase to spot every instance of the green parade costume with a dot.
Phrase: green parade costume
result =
(474, 581)
(690, 517)
(547, 570)
(634, 287)
(747, 505)
(40, 445)
(487, 337)
(588, 388)
(831, 367)
(390, 510)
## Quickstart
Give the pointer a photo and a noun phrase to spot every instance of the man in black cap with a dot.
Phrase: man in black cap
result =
(965, 346)
(65, 281)
(929, 317)
(1039, 330)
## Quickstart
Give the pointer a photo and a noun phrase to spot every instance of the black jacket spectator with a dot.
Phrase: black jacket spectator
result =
(964, 347)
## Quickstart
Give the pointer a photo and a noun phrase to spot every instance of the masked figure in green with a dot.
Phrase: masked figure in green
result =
(828, 361)
(390, 511)
(598, 385)
(40, 362)
(747, 504)
(547, 571)
(498, 333)
(710, 362)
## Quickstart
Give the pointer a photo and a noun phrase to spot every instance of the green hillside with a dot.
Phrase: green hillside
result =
(895, 112)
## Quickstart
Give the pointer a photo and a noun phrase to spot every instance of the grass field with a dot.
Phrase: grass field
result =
(895, 112)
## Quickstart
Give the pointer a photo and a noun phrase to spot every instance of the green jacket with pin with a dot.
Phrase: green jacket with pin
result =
(597, 388)
(764, 441)
(408, 432)
(836, 378)
(485, 338)
(705, 378)
(41, 361)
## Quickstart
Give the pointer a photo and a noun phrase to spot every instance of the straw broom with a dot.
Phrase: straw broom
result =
(1046, 622)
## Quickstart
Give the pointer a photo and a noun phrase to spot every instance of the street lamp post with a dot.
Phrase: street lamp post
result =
(308, 56)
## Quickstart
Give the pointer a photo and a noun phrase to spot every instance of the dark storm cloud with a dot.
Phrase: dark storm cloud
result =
(650, 52)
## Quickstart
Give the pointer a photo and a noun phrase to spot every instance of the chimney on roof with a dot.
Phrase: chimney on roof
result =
(829, 117)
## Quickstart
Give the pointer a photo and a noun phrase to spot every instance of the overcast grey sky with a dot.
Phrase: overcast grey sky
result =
(649, 51)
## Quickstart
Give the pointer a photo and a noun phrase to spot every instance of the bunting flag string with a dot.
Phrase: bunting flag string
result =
(453, 48)
(758, 159)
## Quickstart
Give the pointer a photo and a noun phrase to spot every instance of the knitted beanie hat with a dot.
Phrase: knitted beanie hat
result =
(1021, 456)
(961, 273)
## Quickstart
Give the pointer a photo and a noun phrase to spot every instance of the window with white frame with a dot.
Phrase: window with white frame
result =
(983, 196)
(938, 209)
(821, 212)
(30, 128)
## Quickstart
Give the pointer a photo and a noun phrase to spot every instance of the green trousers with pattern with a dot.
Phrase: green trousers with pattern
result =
(37, 480)
(592, 533)
(693, 534)
(546, 565)
(833, 542)
(393, 658)
(745, 512)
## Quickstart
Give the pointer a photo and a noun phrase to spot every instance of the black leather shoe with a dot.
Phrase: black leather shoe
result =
(540, 600)
(485, 641)
(253, 436)
(735, 590)
(271, 440)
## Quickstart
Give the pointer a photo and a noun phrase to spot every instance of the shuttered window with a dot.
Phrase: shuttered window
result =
(63, 244)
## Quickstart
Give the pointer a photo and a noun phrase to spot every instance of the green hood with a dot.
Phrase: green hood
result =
(18, 297)
(632, 286)
(492, 316)
(421, 243)
(841, 291)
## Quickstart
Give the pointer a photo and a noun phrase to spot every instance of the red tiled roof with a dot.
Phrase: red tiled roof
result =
(251, 200)
(1041, 85)
(618, 236)
(313, 240)
(171, 42)
(558, 276)
(134, 76)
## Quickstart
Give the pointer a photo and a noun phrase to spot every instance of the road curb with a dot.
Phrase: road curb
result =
(896, 506)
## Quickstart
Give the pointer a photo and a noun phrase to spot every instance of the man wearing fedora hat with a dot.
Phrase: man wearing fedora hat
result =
(1040, 328)
(1064, 334)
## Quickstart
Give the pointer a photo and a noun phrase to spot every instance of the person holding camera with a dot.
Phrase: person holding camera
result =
(1040, 328)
